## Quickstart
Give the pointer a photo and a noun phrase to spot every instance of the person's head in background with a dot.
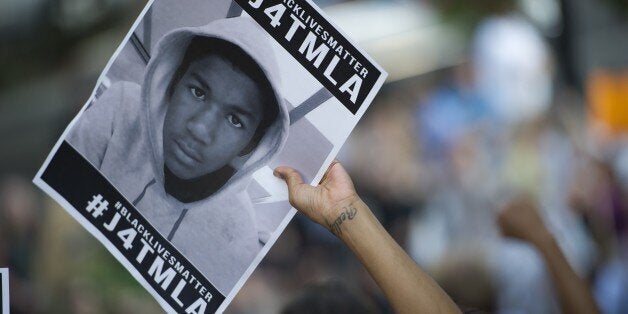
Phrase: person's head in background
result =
(467, 279)
(328, 297)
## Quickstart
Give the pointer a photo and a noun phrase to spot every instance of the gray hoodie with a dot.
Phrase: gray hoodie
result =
(121, 134)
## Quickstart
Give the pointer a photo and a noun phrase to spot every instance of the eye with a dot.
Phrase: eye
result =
(197, 93)
(234, 121)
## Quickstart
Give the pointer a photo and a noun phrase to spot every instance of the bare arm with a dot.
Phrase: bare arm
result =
(335, 205)
(521, 220)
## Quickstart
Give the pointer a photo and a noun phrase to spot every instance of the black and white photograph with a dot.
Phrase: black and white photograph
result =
(192, 134)
(170, 162)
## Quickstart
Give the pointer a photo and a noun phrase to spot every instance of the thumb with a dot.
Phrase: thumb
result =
(299, 192)
(291, 176)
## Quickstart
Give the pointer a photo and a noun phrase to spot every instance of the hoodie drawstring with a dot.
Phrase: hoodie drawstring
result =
(179, 220)
(176, 224)
(141, 196)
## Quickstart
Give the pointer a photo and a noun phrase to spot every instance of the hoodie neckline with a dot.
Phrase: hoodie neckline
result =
(196, 189)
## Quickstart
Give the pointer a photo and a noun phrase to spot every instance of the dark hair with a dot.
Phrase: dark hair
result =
(200, 47)
(329, 297)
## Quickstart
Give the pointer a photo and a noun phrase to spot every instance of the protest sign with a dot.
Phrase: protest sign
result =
(4, 291)
(169, 163)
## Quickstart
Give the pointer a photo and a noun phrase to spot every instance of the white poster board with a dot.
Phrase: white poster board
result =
(169, 163)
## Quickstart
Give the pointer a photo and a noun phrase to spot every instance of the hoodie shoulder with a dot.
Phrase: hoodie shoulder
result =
(128, 93)
(125, 104)
(94, 128)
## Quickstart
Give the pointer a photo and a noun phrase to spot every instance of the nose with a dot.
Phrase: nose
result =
(204, 124)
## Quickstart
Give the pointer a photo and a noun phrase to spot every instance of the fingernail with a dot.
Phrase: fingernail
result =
(277, 174)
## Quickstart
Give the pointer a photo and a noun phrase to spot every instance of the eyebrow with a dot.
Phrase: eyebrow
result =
(200, 79)
(241, 111)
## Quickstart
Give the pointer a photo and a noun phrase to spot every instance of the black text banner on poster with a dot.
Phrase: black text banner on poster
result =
(169, 273)
(318, 46)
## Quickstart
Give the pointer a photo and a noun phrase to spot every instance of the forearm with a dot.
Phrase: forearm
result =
(573, 293)
(407, 287)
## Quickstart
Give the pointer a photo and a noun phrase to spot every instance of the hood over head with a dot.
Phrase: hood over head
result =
(252, 39)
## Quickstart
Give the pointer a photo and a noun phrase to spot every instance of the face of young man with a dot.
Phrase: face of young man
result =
(212, 115)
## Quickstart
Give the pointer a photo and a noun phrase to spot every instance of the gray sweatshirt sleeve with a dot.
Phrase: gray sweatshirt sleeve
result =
(92, 132)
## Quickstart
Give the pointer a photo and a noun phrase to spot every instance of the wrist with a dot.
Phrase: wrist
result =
(334, 209)
(342, 213)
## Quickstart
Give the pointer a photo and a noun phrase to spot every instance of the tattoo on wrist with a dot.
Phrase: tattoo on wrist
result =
(348, 213)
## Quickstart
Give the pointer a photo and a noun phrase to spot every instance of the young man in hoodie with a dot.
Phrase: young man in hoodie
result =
(182, 146)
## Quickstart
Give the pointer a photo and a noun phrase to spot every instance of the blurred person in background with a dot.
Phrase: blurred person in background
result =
(329, 297)
(599, 195)
(487, 135)
(20, 219)
(520, 220)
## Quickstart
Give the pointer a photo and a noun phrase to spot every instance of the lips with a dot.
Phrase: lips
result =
(188, 151)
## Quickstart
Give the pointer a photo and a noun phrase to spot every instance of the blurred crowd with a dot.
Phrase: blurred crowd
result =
(532, 112)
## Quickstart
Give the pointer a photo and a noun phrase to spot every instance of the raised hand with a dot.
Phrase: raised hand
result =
(330, 203)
